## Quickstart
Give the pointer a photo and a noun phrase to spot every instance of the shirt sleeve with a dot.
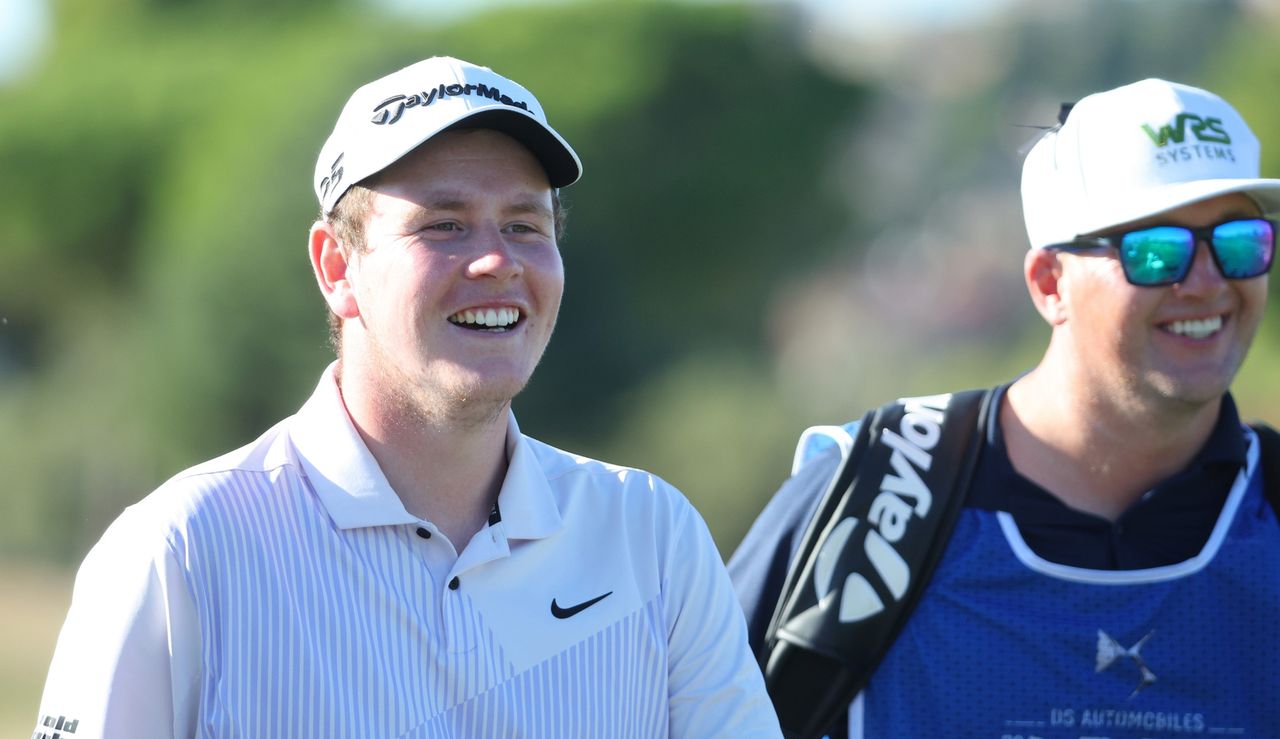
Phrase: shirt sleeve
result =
(127, 660)
(759, 566)
(716, 688)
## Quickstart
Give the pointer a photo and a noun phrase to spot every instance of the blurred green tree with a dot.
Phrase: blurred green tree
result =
(159, 305)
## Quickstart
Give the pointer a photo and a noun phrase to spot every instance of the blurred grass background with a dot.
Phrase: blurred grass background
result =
(787, 216)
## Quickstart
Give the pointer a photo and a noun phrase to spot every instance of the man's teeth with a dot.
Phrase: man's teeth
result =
(486, 317)
(1196, 329)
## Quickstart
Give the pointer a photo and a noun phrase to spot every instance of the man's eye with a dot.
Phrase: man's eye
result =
(448, 226)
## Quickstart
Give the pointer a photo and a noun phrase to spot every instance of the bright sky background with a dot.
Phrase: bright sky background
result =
(25, 24)
(858, 16)
(881, 16)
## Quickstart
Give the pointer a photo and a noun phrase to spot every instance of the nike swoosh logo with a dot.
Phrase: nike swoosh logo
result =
(559, 612)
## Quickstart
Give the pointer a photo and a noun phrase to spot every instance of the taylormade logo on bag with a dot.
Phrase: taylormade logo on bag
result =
(903, 494)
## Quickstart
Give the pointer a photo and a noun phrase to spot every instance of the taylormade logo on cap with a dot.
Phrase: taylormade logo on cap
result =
(1135, 152)
(389, 117)
(389, 111)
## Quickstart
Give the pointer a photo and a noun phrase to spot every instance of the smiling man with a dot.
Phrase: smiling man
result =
(397, 559)
(1089, 550)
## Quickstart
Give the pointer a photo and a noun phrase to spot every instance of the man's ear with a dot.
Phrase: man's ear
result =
(1042, 269)
(333, 269)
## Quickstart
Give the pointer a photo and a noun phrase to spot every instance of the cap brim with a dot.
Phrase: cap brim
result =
(558, 159)
(1265, 192)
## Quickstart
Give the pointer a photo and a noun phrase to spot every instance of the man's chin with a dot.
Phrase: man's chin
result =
(1194, 391)
(485, 391)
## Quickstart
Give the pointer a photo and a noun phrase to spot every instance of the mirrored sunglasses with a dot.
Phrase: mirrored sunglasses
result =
(1163, 255)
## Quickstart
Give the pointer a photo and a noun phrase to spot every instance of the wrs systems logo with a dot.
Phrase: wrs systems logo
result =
(1208, 130)
(1190, 137)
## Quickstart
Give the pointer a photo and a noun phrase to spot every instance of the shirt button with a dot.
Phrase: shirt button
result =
(424, 533)
(453, 584)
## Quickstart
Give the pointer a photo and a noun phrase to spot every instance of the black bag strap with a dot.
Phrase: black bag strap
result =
(1269, 458)
(868, 553)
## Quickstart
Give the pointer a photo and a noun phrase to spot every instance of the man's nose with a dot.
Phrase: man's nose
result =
(1204, 277)
(494, 256)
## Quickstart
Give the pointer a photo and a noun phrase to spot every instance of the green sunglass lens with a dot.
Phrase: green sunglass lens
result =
(1156, 256)
(1244, 248)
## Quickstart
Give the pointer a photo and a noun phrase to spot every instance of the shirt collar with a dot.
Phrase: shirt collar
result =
(351, 486)
(996, 480)
(526, 502)
(1227, 442)
(343, 472)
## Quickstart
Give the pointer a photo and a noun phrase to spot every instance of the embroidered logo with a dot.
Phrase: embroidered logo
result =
(559, 612)
(55, 727)
(1110, 651)
(335, 176)
(390, 110)
(1208, 130)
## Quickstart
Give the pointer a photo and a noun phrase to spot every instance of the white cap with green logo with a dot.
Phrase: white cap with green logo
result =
(1135, 152)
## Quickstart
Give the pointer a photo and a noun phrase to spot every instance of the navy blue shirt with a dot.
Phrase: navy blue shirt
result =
(1169, 524)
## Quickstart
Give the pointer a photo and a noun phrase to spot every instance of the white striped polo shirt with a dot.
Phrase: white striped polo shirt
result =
(283, 590)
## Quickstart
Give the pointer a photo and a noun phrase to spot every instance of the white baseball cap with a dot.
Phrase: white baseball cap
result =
(1134, 152)
(389, 117)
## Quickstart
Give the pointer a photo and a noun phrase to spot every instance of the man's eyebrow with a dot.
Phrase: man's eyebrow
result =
(449, 203)
(531, 206)
(442, 203)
